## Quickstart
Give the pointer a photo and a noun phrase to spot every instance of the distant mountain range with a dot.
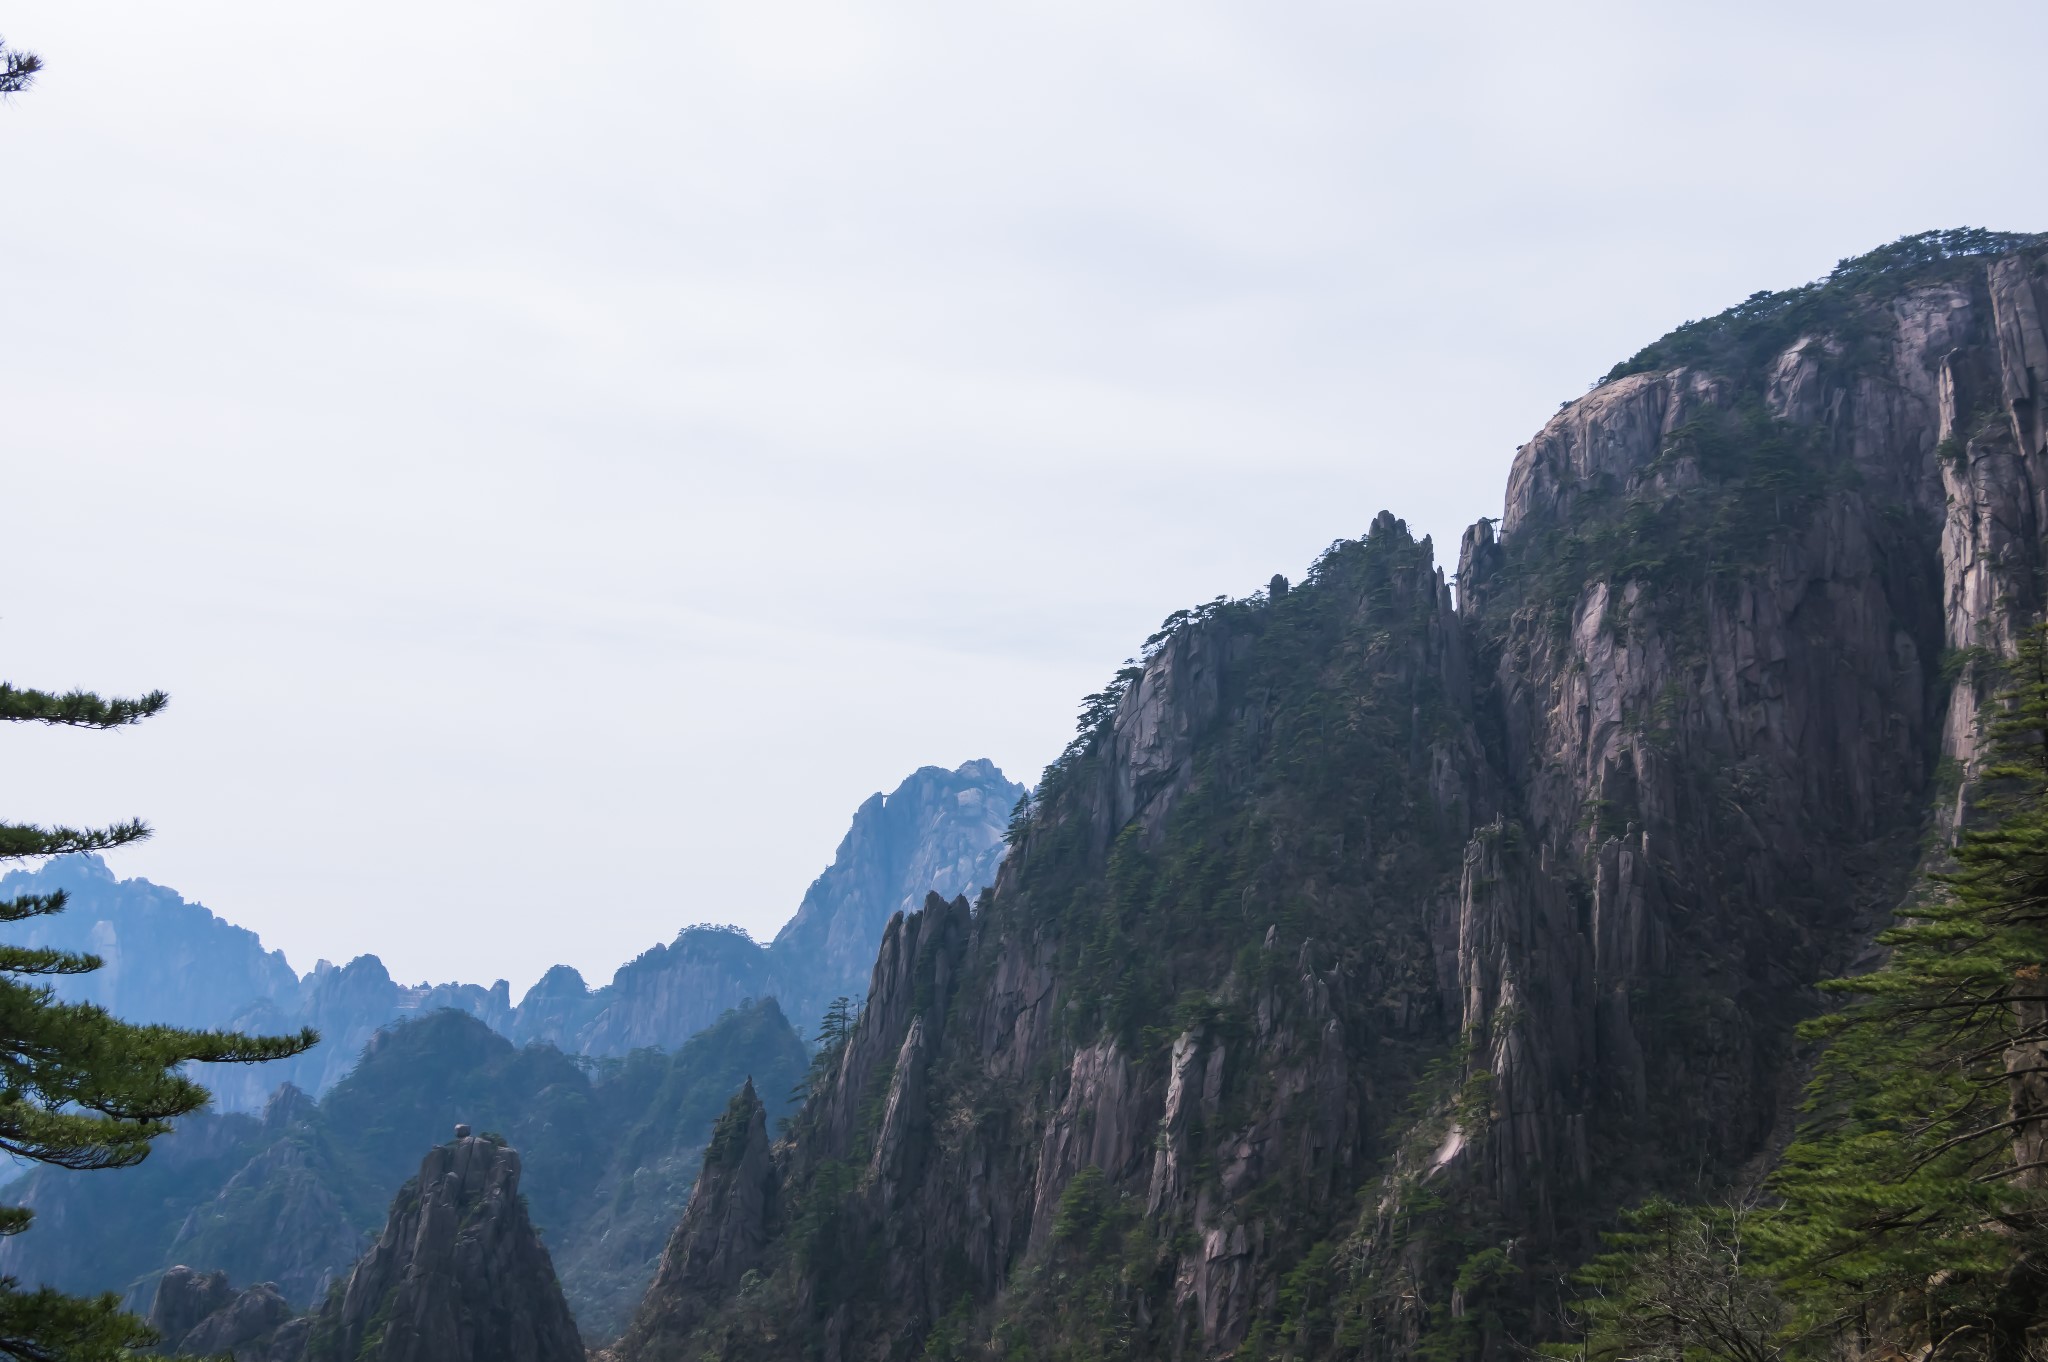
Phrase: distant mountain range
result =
(172, 961)
(293, 1196)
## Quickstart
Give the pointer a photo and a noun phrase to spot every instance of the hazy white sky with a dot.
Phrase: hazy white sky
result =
(561, 458)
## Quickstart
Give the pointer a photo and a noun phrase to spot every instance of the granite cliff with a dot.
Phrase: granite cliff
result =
(458, 1275)
(1369, 948)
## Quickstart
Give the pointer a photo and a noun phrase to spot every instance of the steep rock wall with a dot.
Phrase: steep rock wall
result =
(1363, 955)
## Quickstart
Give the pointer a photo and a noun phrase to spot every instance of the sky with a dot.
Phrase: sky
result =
(561, 458)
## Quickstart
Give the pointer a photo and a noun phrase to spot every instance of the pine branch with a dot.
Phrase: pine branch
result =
(76, 708)
(20, 841)
(33, 905)
(40, 960)
(17, 69)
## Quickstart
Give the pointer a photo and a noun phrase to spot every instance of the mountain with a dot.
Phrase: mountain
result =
(611, 1148)
(938, 831)
(199, 1314)
(458, 1275)
(164, 960)
(174, 962)
(721, 1237)
(1369, 948)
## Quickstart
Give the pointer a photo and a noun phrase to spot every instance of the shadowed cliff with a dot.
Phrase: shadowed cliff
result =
(1368, 949)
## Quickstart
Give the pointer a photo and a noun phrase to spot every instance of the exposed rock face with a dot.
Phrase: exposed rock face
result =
(722, 1237)
(348, 1005)
(674, 991)
(1366, 952)
(200, 1315)
(457, 1276)
(939, 832)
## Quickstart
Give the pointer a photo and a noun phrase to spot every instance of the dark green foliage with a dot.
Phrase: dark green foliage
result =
(1080, 1304)
(1844, 305)
(1917, 1179)
(1311, 797)
(1758, 477)
(729, 1136)
(609, 1150)
(1911, 1210)
(76, 708)
(80, 1089)
(47, 1326)
(1308, 814)
(1680, 1284)
(17, 69)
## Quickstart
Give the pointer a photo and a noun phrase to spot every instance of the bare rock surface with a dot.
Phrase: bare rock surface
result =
(199, 1314)
(459, 1274)
(723, 1235)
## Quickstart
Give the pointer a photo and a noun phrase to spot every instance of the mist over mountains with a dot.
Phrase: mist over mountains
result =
(171, 961)
(610, 1092)
(1370, 956)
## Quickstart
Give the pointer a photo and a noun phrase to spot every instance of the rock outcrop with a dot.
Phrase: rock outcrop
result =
(1368, 949)
(459, 1274)
(723, 1235)
(200, 1315)
(939, 832)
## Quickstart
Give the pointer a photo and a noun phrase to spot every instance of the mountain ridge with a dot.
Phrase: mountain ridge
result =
(937, 829)
(1366, 951)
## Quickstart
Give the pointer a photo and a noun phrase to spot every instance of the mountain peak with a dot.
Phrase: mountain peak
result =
(459, 1274)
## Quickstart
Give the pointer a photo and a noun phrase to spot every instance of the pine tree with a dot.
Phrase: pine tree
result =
(1680, 1283)
(1914, 1200)
(79, 1088)
(17, 68)
(1911, 1213)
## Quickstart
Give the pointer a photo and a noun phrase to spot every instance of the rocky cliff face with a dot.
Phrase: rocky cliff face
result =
(200, 1315)
(939, 832)
(457, 1276)
(722, 1237)
(1365, 952)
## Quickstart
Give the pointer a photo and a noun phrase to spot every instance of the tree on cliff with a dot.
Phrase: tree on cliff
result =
(79, 1088)
(1918, 1190)
(1913, 1206)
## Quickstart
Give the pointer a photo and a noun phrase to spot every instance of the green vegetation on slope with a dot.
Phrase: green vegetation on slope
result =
(609, 1149)
(1910, 1216)
(1744, 339)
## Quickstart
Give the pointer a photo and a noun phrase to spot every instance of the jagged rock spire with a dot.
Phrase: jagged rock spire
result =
(459, 1274)
(723, 1234)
